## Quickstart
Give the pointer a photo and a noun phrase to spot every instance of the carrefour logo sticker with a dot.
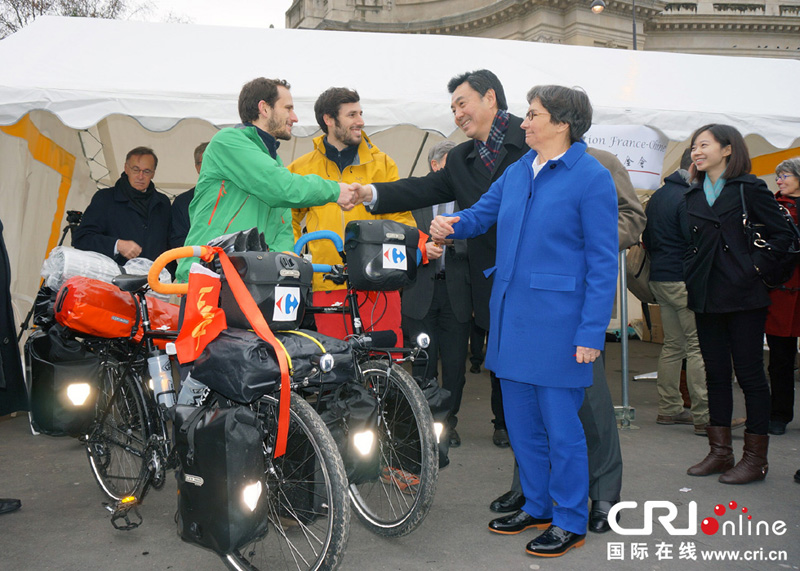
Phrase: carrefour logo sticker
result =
(394, 257)
(287, 302)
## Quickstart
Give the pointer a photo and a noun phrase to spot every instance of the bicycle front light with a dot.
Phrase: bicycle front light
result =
(77, 393)
(326, 363)
(438, 428)
(251, 494)
(423, 340)
(363, 441)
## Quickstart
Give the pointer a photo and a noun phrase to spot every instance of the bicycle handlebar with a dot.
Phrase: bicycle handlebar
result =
(319, 235)
(167, 257)
(337, 243)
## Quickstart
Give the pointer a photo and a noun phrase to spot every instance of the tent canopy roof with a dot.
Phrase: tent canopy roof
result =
(83, 70)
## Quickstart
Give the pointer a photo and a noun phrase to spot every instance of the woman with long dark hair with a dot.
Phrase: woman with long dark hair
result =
(728, 297)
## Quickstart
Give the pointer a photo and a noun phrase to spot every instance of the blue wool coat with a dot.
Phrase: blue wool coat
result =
(556, 268)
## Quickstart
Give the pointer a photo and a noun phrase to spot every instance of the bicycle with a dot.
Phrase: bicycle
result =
(397, 497)
(130, 450)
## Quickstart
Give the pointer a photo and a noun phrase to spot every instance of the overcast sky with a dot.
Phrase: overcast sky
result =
(252, 13)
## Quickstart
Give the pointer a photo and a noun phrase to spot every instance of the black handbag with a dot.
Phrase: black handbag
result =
(774, 265)
(221, 453)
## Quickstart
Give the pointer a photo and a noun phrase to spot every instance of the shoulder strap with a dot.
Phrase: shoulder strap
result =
(744, 205)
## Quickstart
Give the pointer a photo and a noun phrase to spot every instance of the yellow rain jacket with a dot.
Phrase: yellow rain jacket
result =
(371, 165)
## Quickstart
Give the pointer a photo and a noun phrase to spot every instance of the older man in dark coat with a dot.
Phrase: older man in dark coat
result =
(130, 219)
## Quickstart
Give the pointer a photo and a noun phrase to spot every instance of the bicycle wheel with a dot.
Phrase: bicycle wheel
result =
(309, 513)
(117, 440)
(396, 502)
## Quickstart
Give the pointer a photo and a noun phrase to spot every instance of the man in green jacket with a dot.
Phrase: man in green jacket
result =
(243, 182)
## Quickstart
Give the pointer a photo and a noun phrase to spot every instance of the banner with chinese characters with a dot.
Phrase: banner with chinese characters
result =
(640, 149)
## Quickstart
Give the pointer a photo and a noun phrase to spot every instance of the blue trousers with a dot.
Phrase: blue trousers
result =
(549, 444)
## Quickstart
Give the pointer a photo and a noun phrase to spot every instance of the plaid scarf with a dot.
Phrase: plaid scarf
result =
(490, 150)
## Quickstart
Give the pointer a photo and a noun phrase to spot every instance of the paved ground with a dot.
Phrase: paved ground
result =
(62, 525)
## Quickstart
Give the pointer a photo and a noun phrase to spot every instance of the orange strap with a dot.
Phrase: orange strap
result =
(256, 319)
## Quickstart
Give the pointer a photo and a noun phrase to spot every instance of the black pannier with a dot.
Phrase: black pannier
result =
(221, 455)
(241, 366)
(280, 284)
(349, 410)
(60, 372)
(381, 254)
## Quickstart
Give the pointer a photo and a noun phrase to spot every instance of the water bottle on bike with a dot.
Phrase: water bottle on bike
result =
(161, 373)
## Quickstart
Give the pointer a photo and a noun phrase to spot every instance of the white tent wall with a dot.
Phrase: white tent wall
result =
(194, 73)
(30, 191)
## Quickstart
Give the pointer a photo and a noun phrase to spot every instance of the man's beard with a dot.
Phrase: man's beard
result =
(278, 129)
(345, 135)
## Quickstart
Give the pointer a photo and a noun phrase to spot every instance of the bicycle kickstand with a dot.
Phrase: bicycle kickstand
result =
(121, 512)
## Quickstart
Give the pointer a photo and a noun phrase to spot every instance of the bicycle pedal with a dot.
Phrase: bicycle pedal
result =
(121, 516)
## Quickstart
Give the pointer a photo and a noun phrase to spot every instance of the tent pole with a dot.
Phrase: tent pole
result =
(419, 152)
(624, 413)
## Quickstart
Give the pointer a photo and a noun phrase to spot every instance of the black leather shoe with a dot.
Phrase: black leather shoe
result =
(777, 427)
(508, 502)
(555, 542)
(475, 369)
(598, 516)
(516, 523)
(9, 505)
(500, 438)
(455, 439)
(797, 476)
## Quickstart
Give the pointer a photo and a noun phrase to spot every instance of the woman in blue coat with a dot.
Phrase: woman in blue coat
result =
(554, 285)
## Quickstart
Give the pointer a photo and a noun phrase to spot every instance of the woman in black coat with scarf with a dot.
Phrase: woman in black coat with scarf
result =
(728, 297)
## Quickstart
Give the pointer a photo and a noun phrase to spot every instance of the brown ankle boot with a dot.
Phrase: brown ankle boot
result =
(753, 465)
(720, 458)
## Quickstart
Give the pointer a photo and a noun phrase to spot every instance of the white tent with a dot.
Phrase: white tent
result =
(76, 94)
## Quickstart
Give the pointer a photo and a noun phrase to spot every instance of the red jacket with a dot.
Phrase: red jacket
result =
(783, 318)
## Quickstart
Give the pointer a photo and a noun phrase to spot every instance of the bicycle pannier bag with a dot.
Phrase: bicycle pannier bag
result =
(241, 366)
(351, 409)
(103, 310)
(62, 384)
(279, 283)
(222, 499)
(381, 254)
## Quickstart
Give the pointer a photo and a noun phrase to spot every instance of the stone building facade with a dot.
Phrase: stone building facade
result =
(769, 28)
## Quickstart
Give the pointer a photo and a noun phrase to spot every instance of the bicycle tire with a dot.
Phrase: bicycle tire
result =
(388, 505)
(116, 443)
(309, 511)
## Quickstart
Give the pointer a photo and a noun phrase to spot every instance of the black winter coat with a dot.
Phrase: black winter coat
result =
(13, 395)
(110, 217)
(720, 273)
(463, 179)
(665, 237)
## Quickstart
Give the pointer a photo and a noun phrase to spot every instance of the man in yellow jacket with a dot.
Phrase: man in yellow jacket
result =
(343, 153)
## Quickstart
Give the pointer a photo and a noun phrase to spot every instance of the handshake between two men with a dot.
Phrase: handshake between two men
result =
(351, 195)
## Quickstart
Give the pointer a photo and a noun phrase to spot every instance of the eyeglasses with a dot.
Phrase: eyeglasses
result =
(531, 115)
(783, 177)
(145, 172)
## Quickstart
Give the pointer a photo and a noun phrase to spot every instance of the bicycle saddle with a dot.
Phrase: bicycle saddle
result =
(129, 283)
